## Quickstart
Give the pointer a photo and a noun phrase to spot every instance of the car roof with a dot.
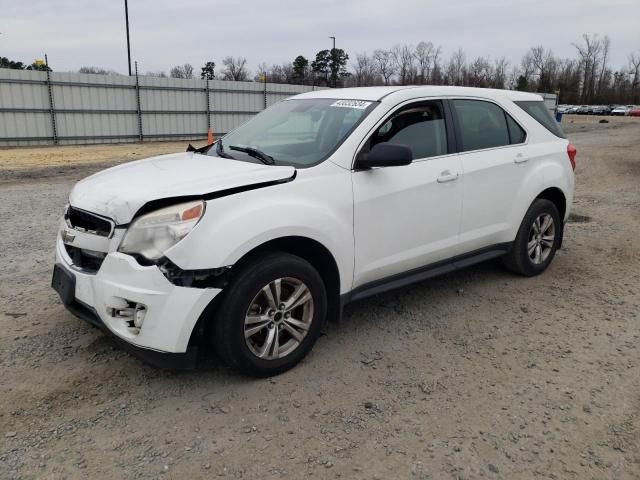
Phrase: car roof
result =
(416, 91)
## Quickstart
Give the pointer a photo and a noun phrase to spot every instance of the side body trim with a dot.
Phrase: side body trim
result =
(423, 273)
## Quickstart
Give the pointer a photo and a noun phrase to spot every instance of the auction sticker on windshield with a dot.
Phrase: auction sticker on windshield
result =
(359, 104)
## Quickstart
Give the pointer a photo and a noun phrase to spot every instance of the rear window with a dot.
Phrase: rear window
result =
(538, 110)
(482, 125)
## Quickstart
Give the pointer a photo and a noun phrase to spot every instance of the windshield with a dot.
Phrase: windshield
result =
(301, 132)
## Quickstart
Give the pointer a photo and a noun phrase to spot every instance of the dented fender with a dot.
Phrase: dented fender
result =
(235, 225)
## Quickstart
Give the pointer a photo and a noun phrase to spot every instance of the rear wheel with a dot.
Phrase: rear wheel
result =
(271, 315)
(537, 240)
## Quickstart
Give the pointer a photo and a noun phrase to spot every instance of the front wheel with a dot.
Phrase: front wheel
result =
(271, 315)
(537, 240)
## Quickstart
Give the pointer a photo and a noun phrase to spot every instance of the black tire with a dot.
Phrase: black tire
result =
(518, 259)
(229, 330)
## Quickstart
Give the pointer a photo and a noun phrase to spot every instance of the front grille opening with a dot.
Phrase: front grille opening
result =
(86, 260)
(88, 222)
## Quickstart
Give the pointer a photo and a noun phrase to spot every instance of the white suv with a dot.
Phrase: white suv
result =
(250, 245)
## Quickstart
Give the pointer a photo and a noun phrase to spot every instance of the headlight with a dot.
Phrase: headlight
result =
(154, 233)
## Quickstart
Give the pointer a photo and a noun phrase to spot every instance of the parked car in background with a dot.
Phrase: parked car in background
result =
(598, 110)
(620, 110)
(634, 112)
(583, 109)
(249, 245)
(573, 109)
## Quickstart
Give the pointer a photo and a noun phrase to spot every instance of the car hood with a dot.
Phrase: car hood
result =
(119, 192)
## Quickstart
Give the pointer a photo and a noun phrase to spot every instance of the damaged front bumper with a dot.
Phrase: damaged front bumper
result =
(148, 315)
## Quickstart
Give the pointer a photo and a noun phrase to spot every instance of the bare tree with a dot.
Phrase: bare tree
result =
(97, 71)
(182, 71)
(543, 64)
(275, 73)
(156, 74)
(402, 56)
(282, 73)
(436, 70)
(499, 79)
(512, 80)
(527, 69)
(589, 53)
(606, 44)
(456, 67)
(263, 69)
(568, 80)
(634, 67)
(384, 64)
(365, 71)
(423, 55)
(479, 73)
(235, 69)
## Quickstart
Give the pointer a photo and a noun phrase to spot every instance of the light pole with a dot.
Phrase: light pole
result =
(332, 54)
(126, 15)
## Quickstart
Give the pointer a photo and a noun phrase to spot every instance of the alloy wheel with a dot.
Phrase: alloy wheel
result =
(278, 318)
(541, 238)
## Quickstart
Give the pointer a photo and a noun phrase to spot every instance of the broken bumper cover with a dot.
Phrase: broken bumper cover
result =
(170, 361)
(171, 311)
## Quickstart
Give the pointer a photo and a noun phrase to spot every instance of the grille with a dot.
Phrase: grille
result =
(88, 222)
(86, 260)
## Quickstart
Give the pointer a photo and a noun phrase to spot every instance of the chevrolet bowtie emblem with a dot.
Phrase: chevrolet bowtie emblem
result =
(68, 237)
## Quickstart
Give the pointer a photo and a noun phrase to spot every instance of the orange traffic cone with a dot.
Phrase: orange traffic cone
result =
(209, 137)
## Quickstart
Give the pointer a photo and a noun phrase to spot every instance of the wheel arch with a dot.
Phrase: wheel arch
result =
(319, 256)
(314, 252)
(557, 197)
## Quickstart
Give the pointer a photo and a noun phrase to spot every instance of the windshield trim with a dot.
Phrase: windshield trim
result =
(279, 162)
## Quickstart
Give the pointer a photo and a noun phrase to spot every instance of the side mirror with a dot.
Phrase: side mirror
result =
(386, 155)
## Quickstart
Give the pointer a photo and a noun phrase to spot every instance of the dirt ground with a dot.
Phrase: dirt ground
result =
(73, 155)
(476, 374)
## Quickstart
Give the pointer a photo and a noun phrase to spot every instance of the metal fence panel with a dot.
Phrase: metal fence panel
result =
(24, 95)
(94, 125)
(20, 124)
(72, 108)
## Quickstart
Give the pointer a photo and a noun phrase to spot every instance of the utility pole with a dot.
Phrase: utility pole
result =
(126, 15)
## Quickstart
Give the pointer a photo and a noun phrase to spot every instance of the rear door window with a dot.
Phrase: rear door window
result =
(540, 112)
(482, 125)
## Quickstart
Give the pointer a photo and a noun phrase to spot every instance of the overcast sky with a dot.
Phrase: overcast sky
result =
(164, 33)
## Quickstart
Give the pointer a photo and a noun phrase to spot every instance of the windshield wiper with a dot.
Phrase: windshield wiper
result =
(220, 151)
(255, 153)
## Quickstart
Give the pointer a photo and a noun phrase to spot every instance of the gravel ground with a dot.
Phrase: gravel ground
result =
(476, 374)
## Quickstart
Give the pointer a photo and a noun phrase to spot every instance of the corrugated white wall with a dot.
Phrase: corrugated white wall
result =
(103, 108)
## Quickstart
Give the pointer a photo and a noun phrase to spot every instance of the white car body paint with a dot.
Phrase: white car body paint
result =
(375, 223)
(120, 191)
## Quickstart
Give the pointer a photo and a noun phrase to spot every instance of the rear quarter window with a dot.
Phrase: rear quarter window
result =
(540, 113)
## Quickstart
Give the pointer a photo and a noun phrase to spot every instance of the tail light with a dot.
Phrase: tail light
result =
(571, 151)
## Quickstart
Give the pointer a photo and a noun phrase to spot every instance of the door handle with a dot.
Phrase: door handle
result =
(447, 176)
(521, 158)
